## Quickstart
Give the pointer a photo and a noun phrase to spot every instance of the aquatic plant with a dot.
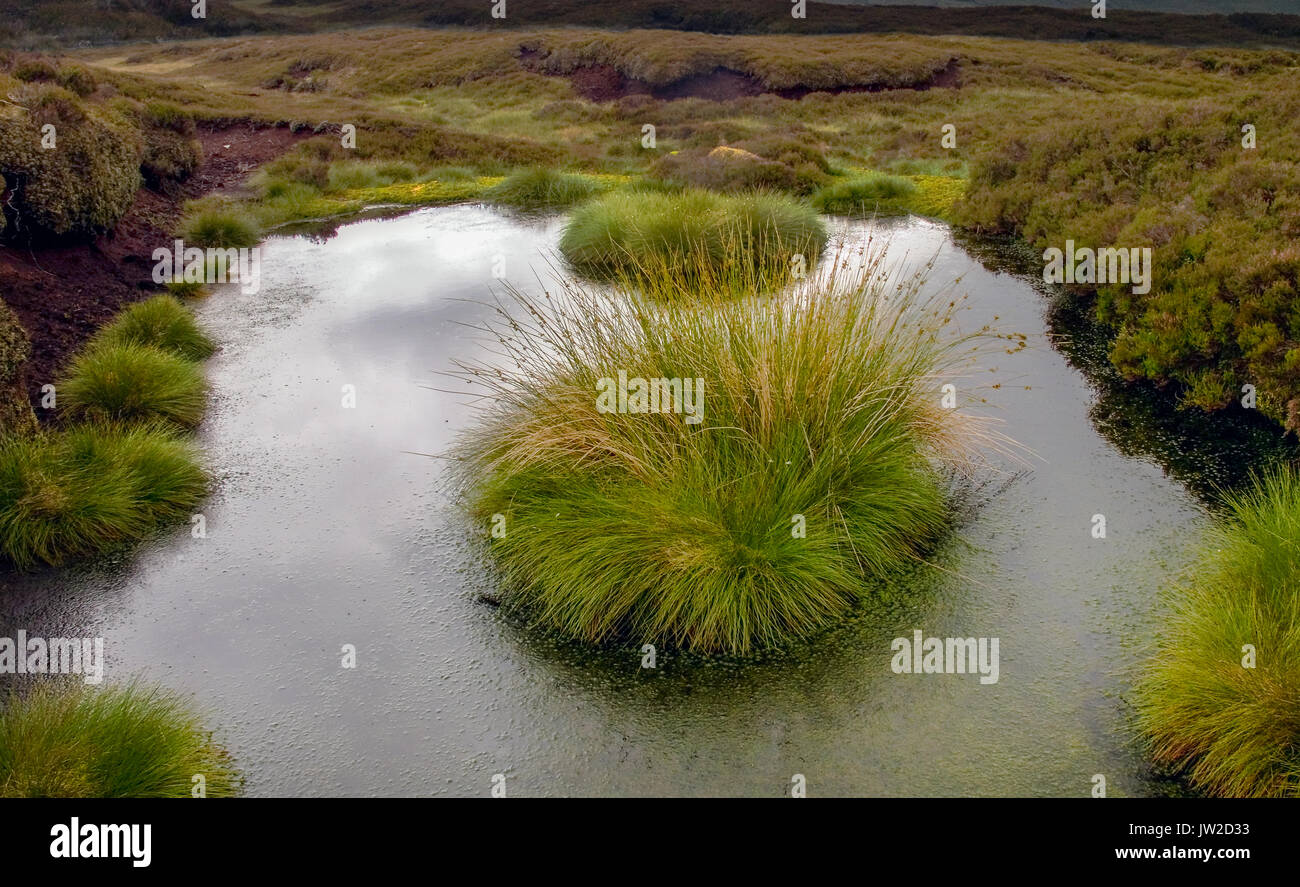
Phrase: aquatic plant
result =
(77, 492)
(719, 474)
(132, 382)
(697, 238)
(132, 741)
(1219, 699)
(162, 322)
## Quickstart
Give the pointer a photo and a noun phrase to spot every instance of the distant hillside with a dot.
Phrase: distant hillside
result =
(1195, 7)
(38, 24)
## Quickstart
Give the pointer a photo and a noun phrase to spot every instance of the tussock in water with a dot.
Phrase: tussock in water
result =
(1220, 699)
(817, 467)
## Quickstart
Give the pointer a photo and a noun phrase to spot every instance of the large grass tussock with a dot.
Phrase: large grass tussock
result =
(816, 469)
(1235, 730)
(74, 493)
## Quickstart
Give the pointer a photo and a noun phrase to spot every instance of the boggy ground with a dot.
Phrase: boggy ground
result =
(63, 292)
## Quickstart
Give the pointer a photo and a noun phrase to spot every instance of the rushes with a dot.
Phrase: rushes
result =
(126, 470)
(539, 188)
(131, 382)
(821, 409)
(696, 241)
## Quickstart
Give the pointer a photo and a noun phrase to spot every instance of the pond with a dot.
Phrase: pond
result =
(333, 526)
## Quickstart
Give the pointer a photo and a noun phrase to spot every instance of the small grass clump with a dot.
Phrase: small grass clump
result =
(1235, 730)
(539, 188)
(699, 238)
(814, 466)
(74, 493)
(76, 741)
(219, 226)
(862, 194)
(129, 382)
(162, 322)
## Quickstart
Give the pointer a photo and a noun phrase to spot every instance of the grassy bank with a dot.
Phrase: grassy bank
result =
(74, 741)
(120, 468)
(1218, 701)
(807, 467)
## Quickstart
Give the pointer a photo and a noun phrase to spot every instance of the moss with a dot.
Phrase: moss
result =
(171, 151)
(81, 186)
(16, 415)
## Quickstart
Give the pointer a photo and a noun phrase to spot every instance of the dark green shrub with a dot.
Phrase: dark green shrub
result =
(82, 187)
(16, 415)
(76, 79)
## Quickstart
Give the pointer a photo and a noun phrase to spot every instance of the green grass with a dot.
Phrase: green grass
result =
(76, 741)
(130, 382)
(862, 194)
(876, 193)
(1234, 731)
(645, 528)
(698, 239)
(220, 227)
(162, 322)
(77, 492)
(539, 188)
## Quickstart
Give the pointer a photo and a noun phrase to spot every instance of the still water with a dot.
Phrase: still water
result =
(333, 526)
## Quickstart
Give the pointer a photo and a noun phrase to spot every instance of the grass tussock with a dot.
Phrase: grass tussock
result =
(77, 492)
(76, 741)
(132, 382)
(1234, 730)
(696, 239)
(220, 226)
(862, 193)
(161, 322)
(816, 469)
(540, 188)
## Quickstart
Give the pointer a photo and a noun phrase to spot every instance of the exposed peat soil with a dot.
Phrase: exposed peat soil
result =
(62, 293)
(605, 83)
